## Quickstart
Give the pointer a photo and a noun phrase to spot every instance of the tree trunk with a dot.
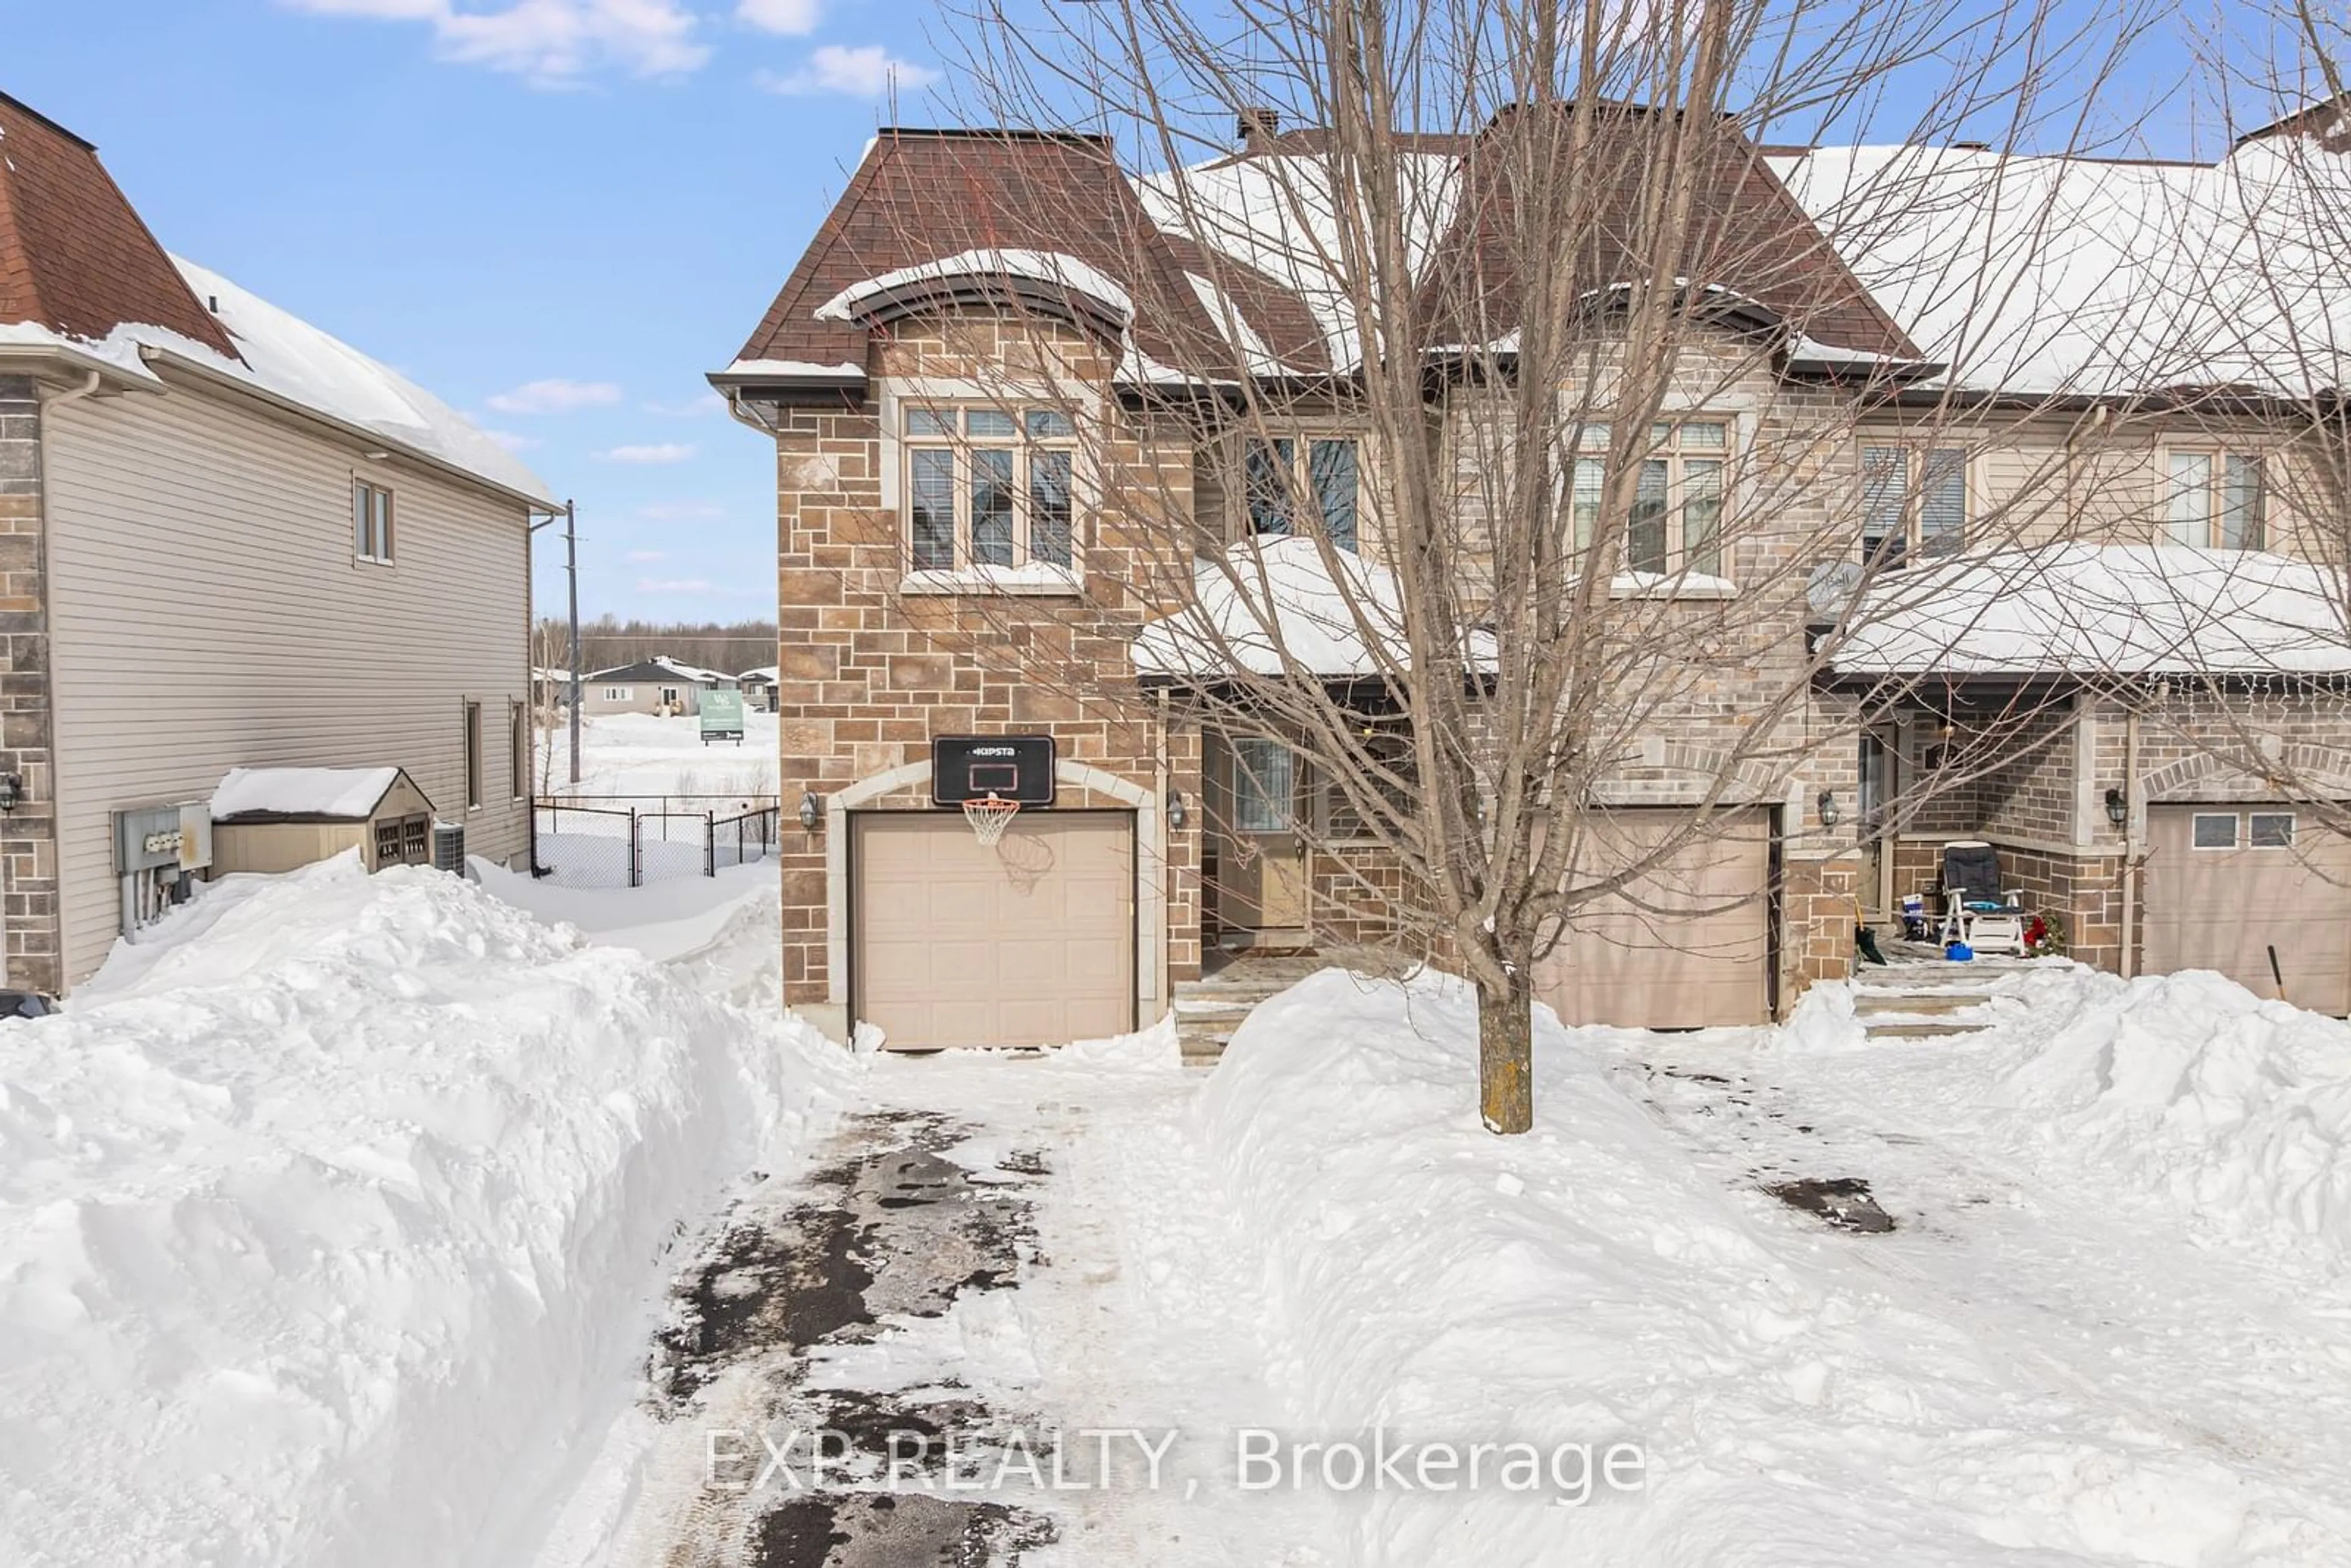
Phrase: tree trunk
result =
(1506, 1054)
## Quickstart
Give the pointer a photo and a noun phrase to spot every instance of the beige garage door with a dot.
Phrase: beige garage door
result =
(1687, 948)
(2225, 883)
(1027, 943)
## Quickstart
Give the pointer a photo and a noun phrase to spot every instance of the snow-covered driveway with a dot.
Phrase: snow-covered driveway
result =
(1010, 1289)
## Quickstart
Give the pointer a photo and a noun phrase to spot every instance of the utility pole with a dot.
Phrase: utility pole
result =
(571, 573)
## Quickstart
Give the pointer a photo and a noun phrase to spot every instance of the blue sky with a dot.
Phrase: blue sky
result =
(557, 219)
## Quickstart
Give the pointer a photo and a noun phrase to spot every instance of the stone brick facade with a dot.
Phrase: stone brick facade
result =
(29, 857)
(869, 674)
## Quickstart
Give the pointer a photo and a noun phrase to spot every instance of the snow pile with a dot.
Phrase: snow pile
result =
(334, 1213)
(2190, 1085)
(2122, 608)
(1271, 603)
(301, 791)
(1803, 1397)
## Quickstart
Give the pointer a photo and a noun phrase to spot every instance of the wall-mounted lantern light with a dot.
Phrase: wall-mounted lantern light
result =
(1176, 815)
(811, 811)
(11, 792)
(1828, 807)
(2118, 808)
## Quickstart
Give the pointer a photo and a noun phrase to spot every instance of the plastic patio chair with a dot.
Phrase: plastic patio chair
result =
(1976, 910)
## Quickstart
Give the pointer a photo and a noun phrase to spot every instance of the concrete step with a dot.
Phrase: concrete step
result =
(1868, 1003)
(1922, 1028)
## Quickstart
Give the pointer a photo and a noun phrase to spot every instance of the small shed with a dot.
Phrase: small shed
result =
(277, 819)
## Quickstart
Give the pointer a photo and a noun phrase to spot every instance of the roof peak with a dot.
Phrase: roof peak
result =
(21, 107)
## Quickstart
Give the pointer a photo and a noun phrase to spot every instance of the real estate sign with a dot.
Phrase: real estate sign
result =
(722, 715)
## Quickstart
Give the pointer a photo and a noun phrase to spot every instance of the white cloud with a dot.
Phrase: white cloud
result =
(550, 41)
(647, 556)
(556, 395)
(792, 17)
(679, 511)
(650, 452)
(868, 70)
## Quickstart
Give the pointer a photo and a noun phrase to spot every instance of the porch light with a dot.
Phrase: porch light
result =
(811, 811)
(1828, 807)
(11, 792)
(1176, 815)
(2118, 808)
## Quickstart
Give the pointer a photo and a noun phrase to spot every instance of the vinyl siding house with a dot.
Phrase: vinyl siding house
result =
(230, 541)
(951, 562)
(660, 684)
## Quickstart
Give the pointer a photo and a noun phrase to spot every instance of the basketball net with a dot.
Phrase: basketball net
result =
(989, 818)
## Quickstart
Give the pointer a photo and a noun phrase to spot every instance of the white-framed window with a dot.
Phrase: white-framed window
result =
(2269, 829)
(2213, 830)
(989, 486)
(1676, 523)
(370, 522)
(2214, 499)
(1913, 501)
(473, 755)
(618, 694)
(1265, 785)
(1325, 472)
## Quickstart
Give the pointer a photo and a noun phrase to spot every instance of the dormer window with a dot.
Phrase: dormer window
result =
(1281, 477)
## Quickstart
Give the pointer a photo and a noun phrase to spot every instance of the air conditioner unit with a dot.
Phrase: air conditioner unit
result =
(449, 848)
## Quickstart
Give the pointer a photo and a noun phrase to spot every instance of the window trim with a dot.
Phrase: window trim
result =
(897, 395)
(1679, 579)
(470, 757)
(1302, 441)
(2293, 830)
(1917, 455)
(2220, 455)
(2236, 833)
(519, 747)
(367, 554)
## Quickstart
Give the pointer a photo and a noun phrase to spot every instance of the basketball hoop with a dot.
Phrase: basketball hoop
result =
(989, 818)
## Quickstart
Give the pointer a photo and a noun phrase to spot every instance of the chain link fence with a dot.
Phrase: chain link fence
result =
(618, 845)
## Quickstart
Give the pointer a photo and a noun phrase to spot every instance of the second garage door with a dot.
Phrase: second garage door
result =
(2226, 884)
(1688, 947)
(1031, 942)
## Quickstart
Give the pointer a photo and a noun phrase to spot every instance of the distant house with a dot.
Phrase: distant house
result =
(759, 687)
(659, 684)
(229, 541)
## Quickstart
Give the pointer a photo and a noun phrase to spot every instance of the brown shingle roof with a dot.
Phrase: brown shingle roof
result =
(1748, 235)
(920, 195)
(74, 255)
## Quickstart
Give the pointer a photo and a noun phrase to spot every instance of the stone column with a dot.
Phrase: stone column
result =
(28, 850)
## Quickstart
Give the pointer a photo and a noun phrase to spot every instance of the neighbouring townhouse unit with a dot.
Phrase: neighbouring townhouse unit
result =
(230, 542)
(759, 687)
(2077, 600)
(660, 684)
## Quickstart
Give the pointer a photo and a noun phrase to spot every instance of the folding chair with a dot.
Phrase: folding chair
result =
(1976, 911)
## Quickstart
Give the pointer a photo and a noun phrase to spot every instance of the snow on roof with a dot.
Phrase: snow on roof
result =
(1276, 215)
(793, 370)
(1051, 266)
(2130, 609)
(2050, 275)
(1325, 626)
(767, 673)
(351, 792)
(288, 358)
